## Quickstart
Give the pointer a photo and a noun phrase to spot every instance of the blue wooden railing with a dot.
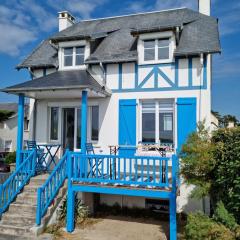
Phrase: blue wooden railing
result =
(137, 171)
(18, 179)
(48, 191)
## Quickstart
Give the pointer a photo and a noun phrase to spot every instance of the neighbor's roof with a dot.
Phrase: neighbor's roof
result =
(13, 107)
(59, 80)
(118, 35)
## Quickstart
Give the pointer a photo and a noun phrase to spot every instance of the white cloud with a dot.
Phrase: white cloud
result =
(14, 38)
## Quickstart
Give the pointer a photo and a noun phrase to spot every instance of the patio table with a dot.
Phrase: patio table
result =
(49, 154)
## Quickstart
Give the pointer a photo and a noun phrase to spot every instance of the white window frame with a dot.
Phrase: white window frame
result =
(156, 37)
(157, 118)
(73, 44)
(59, 126)
(10, 145)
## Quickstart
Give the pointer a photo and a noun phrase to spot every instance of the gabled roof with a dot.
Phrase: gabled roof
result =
(199, 34)
(13, 107)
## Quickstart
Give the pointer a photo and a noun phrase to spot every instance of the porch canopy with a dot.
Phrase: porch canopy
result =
(58, 85)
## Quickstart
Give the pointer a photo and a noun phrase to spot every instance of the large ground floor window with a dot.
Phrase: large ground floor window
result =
(157, 121)
(70, 130)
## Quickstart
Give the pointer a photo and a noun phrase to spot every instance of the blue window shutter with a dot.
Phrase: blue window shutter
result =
(186, 119)
(127, 126)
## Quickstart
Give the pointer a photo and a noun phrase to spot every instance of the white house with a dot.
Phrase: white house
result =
(142, 79)
(8, 128)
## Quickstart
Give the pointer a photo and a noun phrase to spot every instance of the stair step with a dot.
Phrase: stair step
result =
(27, 199)
(15, 237)
(31, 188)
(22, 208)
(13, 230)
(15, 219)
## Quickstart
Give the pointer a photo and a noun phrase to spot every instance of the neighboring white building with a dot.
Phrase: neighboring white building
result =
(8, 128)
(148, 78)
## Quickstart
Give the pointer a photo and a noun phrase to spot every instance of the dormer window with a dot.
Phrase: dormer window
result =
(156, 47)
(73, 56)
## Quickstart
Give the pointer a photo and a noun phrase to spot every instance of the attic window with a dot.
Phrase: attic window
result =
(73, 56)
(156, 49)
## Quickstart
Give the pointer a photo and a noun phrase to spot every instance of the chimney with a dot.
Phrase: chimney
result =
(204, 6)
(65, 20)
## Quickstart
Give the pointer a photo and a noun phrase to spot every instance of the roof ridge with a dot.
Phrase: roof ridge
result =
(132, 14)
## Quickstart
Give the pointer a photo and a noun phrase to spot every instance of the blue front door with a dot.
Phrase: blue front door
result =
(127, 126)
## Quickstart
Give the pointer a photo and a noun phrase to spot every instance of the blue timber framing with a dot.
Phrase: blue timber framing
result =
(20, 129)
(155, 71)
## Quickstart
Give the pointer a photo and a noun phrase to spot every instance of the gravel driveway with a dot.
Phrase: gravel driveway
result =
(120, 228)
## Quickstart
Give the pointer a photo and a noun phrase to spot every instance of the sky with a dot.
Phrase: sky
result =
(25, 23)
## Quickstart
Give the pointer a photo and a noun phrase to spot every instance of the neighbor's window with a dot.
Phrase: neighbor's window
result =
(95, 123)
(8, 145)
(156, 49)
(157, 121)
(73, 56)
(54, 123)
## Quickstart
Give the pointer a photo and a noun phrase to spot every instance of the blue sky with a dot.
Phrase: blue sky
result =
(24, 23)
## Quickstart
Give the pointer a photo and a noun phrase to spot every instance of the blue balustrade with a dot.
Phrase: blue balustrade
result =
(48, 191)
(145, 171)
(18, 179)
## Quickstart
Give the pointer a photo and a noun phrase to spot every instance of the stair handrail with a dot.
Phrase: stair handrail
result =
(48, 191)
(18, 179)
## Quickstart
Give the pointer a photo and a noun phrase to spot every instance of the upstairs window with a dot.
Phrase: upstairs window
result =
(73, 56)
(155, 50)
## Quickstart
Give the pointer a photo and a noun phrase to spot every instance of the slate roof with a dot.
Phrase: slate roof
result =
(59, 80)
(199, 35)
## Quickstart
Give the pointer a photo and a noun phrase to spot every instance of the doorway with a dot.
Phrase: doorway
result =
(68, 128)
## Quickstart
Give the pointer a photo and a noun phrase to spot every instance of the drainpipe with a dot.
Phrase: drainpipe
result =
(104, 72)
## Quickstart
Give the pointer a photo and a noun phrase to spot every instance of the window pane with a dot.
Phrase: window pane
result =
(54, 123)
(68, 61)
(149, 54)
(149, 44)
(166, 121)
(80, 50)
(163, 42)
(79, 59)
(148, 122)
(163, 53)
(78, 128)
(95, 123)
(68, 51)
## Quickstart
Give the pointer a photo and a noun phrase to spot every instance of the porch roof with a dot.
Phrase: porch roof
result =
(59, 83)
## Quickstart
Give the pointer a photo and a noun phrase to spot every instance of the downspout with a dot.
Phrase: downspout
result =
(200, 87)
(104, 72)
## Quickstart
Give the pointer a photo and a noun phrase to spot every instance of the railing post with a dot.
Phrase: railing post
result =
(34, 159)
(70, 197)
(173, 199)
(39, 206)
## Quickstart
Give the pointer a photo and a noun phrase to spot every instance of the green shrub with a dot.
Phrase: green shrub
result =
(10, 158)
(201, 227)
(81, 211)
(226, 177)
(221, 215)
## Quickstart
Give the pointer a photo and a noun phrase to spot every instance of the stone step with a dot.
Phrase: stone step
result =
(16, 219)
(13, 230)
(31, 188)
(27, 199)
(15, 237)
(22, 209)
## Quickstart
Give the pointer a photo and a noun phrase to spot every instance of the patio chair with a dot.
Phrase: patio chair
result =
(32, 145)
(93, 164)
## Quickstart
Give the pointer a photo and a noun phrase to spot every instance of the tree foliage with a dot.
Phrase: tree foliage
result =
(212, 163)
(4, 115)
